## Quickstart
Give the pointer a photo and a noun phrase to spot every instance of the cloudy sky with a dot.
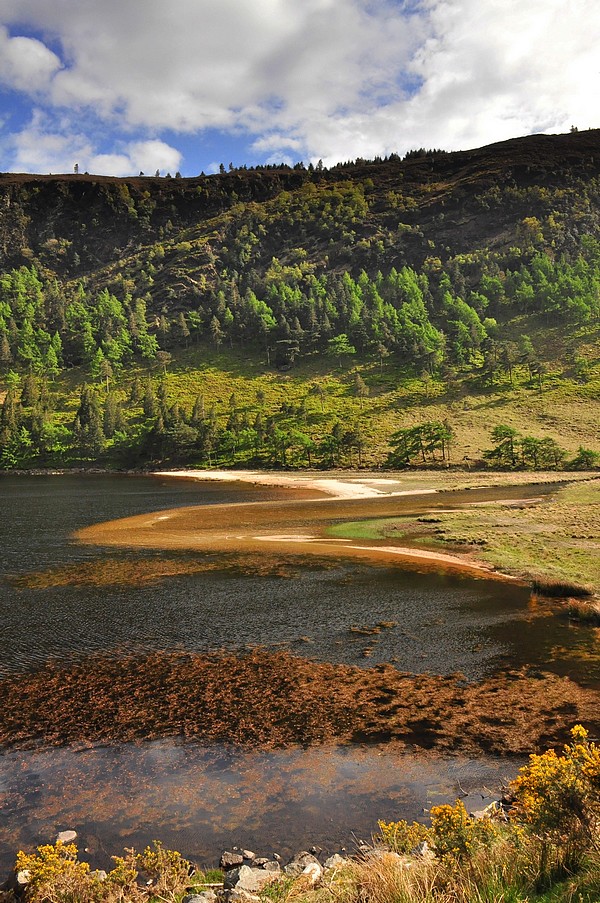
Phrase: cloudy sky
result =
(120, 86)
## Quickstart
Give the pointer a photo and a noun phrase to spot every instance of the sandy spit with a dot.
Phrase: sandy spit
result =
(352, 488)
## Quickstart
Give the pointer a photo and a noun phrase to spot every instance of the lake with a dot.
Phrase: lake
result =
(202, 799)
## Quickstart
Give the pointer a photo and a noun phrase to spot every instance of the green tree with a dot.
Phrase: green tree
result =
(340, 347)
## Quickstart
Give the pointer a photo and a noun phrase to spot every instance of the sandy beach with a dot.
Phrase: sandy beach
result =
(347, 488)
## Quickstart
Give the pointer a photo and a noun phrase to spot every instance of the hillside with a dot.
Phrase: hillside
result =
(385, 312)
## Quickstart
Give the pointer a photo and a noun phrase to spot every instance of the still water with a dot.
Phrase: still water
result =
(203, 799)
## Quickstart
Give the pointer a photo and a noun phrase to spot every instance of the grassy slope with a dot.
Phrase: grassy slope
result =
(565, 409)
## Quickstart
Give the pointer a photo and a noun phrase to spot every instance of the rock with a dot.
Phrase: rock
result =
(66, 837)
(481, 805)
(230, 860)
(240, 896)
(204, 896)
(99, 875)
(22, 878)
(277, 857)
(335, 862)
(422, 851)
(312, 873)
(248, 854)
(271, 865)
(248, 879)
(299, 863)
(260, 861)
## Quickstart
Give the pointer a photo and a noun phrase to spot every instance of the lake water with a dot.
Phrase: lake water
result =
(199, 799)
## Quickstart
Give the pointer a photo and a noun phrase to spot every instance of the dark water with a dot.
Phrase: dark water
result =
(199, 799)
(444, 623)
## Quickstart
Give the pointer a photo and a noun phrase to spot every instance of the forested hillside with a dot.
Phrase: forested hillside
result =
(432, 309)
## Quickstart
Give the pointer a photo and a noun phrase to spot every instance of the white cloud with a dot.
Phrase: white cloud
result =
(26, 64)
(319, 78)
(46, 145)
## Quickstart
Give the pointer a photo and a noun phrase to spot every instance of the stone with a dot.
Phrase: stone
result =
(271, 865)
(312, 873)
(296, 866)
(260, 861)
(204, 896)
(422, 851)
(66, 837)
(248, 879)
(248, 854)
(22, 878)
(99, 875)
(240, 896)
(335, 862)
(230, 860)
(481, 805)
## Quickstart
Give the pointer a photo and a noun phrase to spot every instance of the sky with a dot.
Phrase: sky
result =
(123, 86)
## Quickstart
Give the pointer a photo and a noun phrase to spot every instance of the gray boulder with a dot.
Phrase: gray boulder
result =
(312, 873)
(247, 879)
(204, 896)
(240, 896)
(66, 837)
(296, 866)
(230, 860)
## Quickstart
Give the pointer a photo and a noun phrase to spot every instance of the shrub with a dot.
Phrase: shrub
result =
(456, 834)
(557, 799)
(55, 873)
(56, 876)
(402, 837)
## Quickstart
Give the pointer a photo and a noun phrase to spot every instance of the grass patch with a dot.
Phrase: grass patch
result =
(554, 541)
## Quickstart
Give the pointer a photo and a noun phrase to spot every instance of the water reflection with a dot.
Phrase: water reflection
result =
(201, 800)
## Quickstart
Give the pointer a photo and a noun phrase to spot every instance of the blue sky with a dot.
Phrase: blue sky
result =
(120, 86)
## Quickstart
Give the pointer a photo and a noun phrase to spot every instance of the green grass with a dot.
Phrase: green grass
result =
(555, 539)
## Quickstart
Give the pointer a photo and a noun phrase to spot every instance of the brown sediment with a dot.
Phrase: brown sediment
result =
(274, 699)
(114, 571)
(288, 526)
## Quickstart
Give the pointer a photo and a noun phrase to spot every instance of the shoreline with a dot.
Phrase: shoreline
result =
(363, 487)
(335, 488)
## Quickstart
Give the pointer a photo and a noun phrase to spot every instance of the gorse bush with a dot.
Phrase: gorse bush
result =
(457, 835)
(558, 802)
(55, 875)
(552, 834)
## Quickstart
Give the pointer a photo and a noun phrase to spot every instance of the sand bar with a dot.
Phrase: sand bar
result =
(300, 526)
